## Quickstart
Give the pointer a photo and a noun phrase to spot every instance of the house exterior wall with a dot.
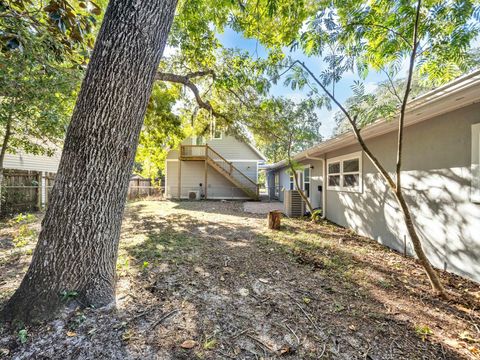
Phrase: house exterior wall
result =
(193, 174)
(270, 183)
(316, 180)
(228, 146)
(284, 180)
(23, 161)
(436, 179)
(240, 154)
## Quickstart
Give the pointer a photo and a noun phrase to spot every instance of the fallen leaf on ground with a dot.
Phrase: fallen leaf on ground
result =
(188, 344)
(71, 333)
(286, 350)
(244, 292)
(210, 344)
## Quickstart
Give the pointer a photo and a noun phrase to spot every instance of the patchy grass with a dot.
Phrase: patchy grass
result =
(203, 280)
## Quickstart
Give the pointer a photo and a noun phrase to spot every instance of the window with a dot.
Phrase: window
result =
(306, 181)
(199, 140)
(217, 134)
(475, 187)
(292, 182)
(277, 184)
(345, 173)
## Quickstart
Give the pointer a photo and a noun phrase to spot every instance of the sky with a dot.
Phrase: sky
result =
(232, 39)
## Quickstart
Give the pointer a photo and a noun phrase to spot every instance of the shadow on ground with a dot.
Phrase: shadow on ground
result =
(210, 283)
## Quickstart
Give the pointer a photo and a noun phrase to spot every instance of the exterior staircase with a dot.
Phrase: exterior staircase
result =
(222, 166)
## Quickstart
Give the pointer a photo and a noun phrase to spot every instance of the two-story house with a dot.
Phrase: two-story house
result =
(219, 167)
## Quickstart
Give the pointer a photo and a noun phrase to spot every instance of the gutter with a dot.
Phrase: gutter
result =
(313, 157)
(381, 126)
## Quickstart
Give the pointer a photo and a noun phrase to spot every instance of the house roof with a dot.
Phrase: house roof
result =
(456, 94)
(256, 151)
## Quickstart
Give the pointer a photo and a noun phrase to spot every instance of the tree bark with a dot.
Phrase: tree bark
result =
(417, 246)
(3, 151)
(77, 247)
(274, 219)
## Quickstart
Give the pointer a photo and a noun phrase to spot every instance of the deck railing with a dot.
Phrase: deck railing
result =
(193, 151)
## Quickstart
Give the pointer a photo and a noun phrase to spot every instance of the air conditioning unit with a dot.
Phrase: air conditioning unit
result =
(194, 195)
(294, 206)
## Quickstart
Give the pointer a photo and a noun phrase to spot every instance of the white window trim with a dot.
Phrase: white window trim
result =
(341, 159)
(475, 184)
(291, 182)
(276, 183)
(300, 172)
(309, 179)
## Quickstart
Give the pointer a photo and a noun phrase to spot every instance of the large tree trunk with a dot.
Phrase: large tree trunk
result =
(77, 247)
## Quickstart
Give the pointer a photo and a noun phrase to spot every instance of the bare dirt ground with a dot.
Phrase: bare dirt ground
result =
(205, 280)
(262, 207)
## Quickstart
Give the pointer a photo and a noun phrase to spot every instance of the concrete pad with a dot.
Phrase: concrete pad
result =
(260, 207)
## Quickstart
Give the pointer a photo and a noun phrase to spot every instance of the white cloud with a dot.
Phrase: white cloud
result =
(370, 87)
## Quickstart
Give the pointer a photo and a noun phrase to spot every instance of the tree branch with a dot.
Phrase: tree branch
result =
(405, 96)
(353, 124)
(407, 41)
(185, 80)
(391, 88)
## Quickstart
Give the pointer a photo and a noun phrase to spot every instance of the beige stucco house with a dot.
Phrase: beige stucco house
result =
(218, 167)
(441, 178)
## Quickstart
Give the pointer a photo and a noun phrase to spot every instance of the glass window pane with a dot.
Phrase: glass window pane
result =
(351, 165)
(307, 190)
(306, 174)
(350, 180)
(334, 180)
(334, 168)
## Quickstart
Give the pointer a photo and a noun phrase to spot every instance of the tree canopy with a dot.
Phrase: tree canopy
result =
(44, 50)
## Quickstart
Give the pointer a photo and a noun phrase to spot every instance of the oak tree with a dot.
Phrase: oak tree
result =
(77, 246)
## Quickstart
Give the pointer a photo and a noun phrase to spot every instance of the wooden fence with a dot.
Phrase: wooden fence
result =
(26, 191)
(141, 188)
